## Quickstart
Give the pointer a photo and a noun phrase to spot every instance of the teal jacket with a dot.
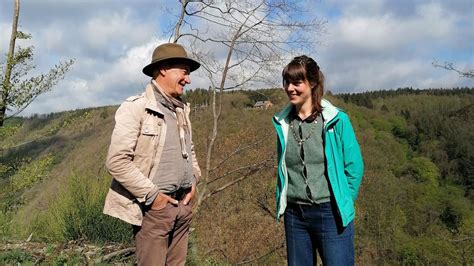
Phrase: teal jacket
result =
(344, 165)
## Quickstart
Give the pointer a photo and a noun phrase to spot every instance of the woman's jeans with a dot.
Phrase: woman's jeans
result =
(311, 227)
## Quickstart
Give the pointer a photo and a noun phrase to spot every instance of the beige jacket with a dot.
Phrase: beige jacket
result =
(135, 148)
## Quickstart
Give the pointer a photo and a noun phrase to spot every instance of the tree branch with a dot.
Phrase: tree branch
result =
(237, 151)
(282, 244)
(122, 252)
(252, 167)
(450, 66)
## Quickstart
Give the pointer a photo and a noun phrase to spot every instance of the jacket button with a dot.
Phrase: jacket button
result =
(159, 123)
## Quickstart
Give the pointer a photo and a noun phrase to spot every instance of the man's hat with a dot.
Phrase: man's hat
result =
(169, 51)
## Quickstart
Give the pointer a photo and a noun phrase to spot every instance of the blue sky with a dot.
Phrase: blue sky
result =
(368, 45)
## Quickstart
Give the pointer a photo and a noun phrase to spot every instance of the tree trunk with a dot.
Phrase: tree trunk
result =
(216, 115)
(10, 63)
(180, 20)
(3, 110)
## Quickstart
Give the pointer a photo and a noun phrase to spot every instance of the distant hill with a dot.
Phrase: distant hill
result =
(415, 205)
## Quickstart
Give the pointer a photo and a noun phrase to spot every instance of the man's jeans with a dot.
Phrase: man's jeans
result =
(314, 227)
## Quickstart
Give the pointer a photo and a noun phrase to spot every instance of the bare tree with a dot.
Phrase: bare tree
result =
(18, 92)
(255, 39)
(450, 66)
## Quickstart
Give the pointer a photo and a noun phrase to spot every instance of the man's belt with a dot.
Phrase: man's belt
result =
(179, 194)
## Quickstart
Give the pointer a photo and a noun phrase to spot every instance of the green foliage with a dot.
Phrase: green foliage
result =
(18, 87)
(70, 120)
(8, 131)
(399, 127)
(414, 205)
(360, 99)
(415, 149)
(32, 172)
(381, 124)
(258, 95)
(16, 256)
(5, 224)
(386, 94)
(198, 97)
(76, 213)
(408, 253)
(23, 91)
(425, 251)
(64, 259)
(452, 219)
(4, 169)
(28, 174)
(423, 170)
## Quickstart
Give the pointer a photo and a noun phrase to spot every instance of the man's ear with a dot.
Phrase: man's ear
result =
(159, 72)
(163, 71)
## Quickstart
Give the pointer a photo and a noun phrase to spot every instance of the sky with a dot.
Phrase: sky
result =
(366, 45)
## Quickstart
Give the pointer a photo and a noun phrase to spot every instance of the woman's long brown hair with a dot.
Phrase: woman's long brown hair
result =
(303, 68)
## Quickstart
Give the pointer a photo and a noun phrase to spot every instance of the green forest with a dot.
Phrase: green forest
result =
(415, 204)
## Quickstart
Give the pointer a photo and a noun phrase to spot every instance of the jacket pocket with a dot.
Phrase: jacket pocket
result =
(151, 129)
(149, 134)
(147, 141)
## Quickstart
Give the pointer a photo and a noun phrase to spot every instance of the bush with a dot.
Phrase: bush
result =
(423, 170)
(77, 213)
(8, 131)
(31, 173)
(16, 256)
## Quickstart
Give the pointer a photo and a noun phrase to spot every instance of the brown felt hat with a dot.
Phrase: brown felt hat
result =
(169, 52)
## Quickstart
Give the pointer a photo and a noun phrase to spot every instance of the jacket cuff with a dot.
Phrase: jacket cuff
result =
(151, 196)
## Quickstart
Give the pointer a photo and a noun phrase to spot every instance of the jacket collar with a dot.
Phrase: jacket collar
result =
(329, 112)
(283, 114)
(152, 103)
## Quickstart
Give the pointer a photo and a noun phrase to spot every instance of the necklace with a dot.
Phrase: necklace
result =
(299, 136)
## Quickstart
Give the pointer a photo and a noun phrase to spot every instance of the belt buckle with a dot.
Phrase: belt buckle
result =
(174, 195)
(181, 193)
(171, 194)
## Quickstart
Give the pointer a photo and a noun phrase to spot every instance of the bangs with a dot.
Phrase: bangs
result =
(293, 73)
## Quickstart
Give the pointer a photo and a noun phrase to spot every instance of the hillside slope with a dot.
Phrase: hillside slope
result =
(414, 206)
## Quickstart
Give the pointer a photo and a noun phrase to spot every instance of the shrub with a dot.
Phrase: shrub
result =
(423, 170)
(77, 213)
(8, 130)
(31, 173)
(16, 256)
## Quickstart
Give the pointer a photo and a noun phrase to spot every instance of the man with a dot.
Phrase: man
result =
(152, 160)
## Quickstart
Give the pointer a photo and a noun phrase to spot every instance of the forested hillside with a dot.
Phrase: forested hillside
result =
(415, 205)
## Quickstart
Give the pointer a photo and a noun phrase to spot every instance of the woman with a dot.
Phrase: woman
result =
(319, 170)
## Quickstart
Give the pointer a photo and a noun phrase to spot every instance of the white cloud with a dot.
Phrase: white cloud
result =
(388, 49)
(372, 44)
(114, 31)
(116, 81)
(111, 85)
(386, 31)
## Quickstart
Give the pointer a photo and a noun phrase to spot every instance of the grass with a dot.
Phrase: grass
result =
(16, 256)
(76, 213)
(237, 224)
